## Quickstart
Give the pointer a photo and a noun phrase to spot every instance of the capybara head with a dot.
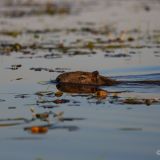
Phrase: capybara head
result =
(80, 77)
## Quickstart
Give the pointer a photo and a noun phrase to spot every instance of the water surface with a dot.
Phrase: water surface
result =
(103, 128)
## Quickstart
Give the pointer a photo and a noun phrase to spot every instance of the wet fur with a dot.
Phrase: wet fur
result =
(85, 78)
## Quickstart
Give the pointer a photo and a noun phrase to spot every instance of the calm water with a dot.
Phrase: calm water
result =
(105, 130)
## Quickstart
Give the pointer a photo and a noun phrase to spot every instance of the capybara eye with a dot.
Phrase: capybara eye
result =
(58, 79)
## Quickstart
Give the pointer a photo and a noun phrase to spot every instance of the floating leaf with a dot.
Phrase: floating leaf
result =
(90, 45)
(16, 47)
(37, 129)
(58, 94)
(58, 101)
(101, 94)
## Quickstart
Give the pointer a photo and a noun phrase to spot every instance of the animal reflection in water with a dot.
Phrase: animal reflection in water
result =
(82, 89)
(75, 88)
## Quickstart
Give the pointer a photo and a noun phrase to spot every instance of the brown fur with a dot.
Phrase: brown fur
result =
(85, 78)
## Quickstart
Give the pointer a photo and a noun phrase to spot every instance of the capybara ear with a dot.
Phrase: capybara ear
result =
(95, 73)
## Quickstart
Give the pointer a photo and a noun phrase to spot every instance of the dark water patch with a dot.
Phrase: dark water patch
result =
(17, 79)
(57, 70)
(130, 129)
(137, 71)
(70, 128)
(151, 76)
(52, 56)
(2, 100)
(47, 56)
(22, 96)
(28, 57)
(56, 101)
(134, 101)
(73, 105)
(44, 69)
(157, 56)
(141, 83)
(119, 55)
(26, 138)
(18, 119)
(12, 107)
(9, 124)
(49, 106)
(70, 119)
(80, 95)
